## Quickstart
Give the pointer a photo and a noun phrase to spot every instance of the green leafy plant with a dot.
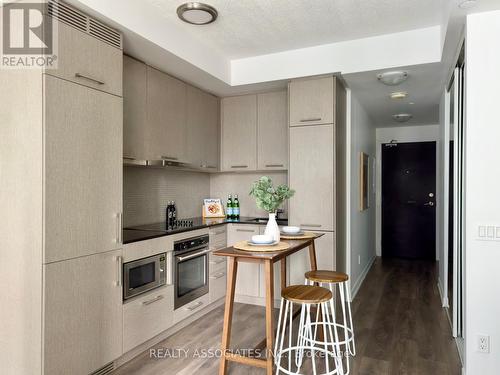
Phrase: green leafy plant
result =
(268, 197)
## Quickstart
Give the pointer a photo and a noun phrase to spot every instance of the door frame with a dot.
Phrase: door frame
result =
(407, 134)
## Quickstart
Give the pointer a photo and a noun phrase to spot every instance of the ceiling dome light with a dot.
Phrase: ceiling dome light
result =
(392, 78)
(467, 4)
(398, 95)
(402, 117)
(197, 13)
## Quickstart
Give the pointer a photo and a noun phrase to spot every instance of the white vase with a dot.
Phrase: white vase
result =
(272, 228)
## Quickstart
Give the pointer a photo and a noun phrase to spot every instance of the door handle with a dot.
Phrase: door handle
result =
(193, 255)
(429, 204)
(245, 230)
(310, 119)
(119, 265)
(82, 76)
(311, 225)
(239, 166)
(119, 226)
(153, 300)
(274, 165)
(195, 306)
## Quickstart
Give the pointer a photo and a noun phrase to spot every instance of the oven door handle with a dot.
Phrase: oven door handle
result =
(181, 259)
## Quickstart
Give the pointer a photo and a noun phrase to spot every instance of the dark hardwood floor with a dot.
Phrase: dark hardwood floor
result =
(398, 320)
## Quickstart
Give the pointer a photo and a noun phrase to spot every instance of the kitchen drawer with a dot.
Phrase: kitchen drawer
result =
(88, 61)
(191, 308)
(217, 263)
(218, 284)
(147, 316)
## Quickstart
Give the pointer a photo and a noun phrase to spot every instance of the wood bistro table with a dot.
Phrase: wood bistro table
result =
(268, 259)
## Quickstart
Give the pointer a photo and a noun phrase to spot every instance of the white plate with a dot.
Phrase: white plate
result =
(262, 244)
(298, 234)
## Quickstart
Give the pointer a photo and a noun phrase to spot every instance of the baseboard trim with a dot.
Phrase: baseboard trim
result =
(361, 278)
(444, 301)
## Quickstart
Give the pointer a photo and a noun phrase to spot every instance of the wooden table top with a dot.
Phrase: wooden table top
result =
(295, 245)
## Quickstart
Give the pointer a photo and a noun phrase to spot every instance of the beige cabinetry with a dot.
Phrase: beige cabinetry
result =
(312, 101)
(147, 316)
(166, 117)
(202, 129)
(82, 313)
(254, 132)
(272, 131)
(218, 265)
(83, 172)
(88, 61)
(311, 174)
(239, 133)
(134, 109)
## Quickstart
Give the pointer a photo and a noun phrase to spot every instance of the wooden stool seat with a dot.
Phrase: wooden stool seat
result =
(306, 294)
(323, 276)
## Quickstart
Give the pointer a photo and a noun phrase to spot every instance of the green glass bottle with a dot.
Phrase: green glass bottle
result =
(229, 208)
(236, 208)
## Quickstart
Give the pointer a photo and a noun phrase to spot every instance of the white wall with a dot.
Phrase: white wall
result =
(482, 189)
(424, 133)
(362, 228)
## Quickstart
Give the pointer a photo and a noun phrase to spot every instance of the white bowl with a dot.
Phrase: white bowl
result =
(262, 239)
(291, 230)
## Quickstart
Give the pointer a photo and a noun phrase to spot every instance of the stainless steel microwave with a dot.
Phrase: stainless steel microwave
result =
(143, 275)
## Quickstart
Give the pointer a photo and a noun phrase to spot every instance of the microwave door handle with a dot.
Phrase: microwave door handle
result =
(181, 259)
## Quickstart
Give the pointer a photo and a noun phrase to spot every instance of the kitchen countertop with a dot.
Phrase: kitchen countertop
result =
(155, 230)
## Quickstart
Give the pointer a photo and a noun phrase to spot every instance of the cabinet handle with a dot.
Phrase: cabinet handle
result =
(119, 226)
(311, 225)
(195, 306)
(217, 261)
(169, 268)
(128, 157)
(310, 119)
(79, 75)
(274, 165)
(169, 158)
(239, 166)
(220, 232)
(153, 300)
(218, 275)
(119, 265)
(207, 166)
(245, 230)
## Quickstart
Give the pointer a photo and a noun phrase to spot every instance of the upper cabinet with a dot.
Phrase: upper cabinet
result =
(254, 132)
(202, 129)
(134, 109)
(88, 60)
(166, 117)
(312, 101)
(239, 133)
(272, 130)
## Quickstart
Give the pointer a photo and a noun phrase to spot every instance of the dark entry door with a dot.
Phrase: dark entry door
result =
(409, 200)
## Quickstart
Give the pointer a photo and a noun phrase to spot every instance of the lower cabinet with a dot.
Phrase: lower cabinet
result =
(82, 313)
(218, 265)
(298, 264)
(147, 316)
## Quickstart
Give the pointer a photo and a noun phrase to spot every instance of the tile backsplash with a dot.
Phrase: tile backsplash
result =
(146, 192)
(222, 184)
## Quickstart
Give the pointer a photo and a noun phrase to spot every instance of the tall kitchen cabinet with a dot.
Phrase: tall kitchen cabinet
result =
(254, 132)
(61, 163)
(317, 168)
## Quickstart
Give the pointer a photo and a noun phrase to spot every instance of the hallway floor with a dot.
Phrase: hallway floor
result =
(398, 320)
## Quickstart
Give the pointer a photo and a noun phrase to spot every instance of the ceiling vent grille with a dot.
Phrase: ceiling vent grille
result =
(82, 22)
(104, 370)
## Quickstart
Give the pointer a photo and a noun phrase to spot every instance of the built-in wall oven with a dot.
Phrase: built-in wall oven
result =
(190, 264)
(143, 275)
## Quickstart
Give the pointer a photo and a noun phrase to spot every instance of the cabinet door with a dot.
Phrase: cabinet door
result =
(83, 170)
(299, 263)
(311, 101)
(166, 113)
(202, 129)
(87, 60)
(82, 313)
(272, 130)
(134, 109)
(311, 175)
(239, 133)
(247, 280)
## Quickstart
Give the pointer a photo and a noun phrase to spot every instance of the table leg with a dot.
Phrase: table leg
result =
(228, 313)
(283, 273)
(269, 268)
(312, 256)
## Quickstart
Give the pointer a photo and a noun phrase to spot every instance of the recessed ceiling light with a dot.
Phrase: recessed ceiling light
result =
(392, 78)
(402, 117)
(197, 13)
(467, 4)
(398, 95)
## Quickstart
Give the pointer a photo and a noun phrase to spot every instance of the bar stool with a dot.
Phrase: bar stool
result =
(333, 278)
(306, 296)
